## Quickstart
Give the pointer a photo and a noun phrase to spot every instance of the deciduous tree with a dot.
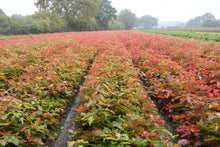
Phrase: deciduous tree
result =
(105, 14)
(128, 18)
(200, 20)
(147, 22)
(73, 11)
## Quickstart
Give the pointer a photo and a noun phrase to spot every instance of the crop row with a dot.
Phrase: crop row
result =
(186, 86)
(193, 29)
(38, 76)
(115, 110)
(211, 36)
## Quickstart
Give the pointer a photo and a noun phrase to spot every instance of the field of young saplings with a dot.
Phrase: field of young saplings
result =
(134, 90)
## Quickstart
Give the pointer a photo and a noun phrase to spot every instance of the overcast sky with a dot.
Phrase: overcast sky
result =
(164, 10)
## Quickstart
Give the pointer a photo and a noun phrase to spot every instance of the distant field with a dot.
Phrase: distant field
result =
(189, 33)
(194, 29)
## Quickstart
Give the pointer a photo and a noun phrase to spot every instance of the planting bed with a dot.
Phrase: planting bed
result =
(41, 76)
(184, 78)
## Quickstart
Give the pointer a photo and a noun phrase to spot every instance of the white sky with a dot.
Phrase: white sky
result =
(164, 10)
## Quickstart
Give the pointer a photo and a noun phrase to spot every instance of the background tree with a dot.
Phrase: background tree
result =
(4, 25)
(211, 23)
(116, 25)
(218, 21)
(128, 18)
(62, 15)
(200, 20)
(2, 12)
(73, 11)
(105, 14)
(208, 16)
(47, 21)
(147, 22)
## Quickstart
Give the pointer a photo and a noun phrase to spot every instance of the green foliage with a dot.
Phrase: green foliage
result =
(128, 18)
(73, 11)
(40, 22)
(207, 20)
(116, 25)
(211, 23)
(48, 21)
(105, 14)
(60, 16)
(188, 34)
(88, 25)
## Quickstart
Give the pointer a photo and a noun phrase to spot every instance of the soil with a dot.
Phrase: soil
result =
(67, 123)
(169, 125)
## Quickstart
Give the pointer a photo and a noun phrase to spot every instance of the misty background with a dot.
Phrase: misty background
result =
(40, 16)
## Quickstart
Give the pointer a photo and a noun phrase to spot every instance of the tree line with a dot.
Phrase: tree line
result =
(206, 20)
(73, 15)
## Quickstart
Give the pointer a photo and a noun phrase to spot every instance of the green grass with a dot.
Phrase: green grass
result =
(210, 36)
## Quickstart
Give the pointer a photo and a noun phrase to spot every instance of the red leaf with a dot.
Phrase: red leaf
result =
(4, 134)
(135, 123)
(48, 114)
(80, 108)
(212, 81)
(216, 108)
(218, 84)
(22, 141)
(31, 139)
(182, 116)
(216, 92)
(3, 78)
(206, 72)
(174, 117)
(38, 121)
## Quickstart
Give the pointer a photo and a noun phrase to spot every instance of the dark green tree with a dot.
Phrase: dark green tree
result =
(128, 18)
(73, 11)
(105, 14)
(48, 21)
(147, 22)
(4, 25)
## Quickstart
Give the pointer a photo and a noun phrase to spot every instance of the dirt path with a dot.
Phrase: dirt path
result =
(163, 115)
(67, 123)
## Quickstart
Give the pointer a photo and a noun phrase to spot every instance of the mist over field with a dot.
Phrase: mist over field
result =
(40, 16)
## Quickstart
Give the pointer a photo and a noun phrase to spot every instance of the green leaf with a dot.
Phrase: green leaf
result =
(212, 139)
(106, 109)
(118, 135)
(4, 117)
(22, 120)
(2, 142)
(14, 140)
(71, 143)
(90, 120)
(4, 124)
